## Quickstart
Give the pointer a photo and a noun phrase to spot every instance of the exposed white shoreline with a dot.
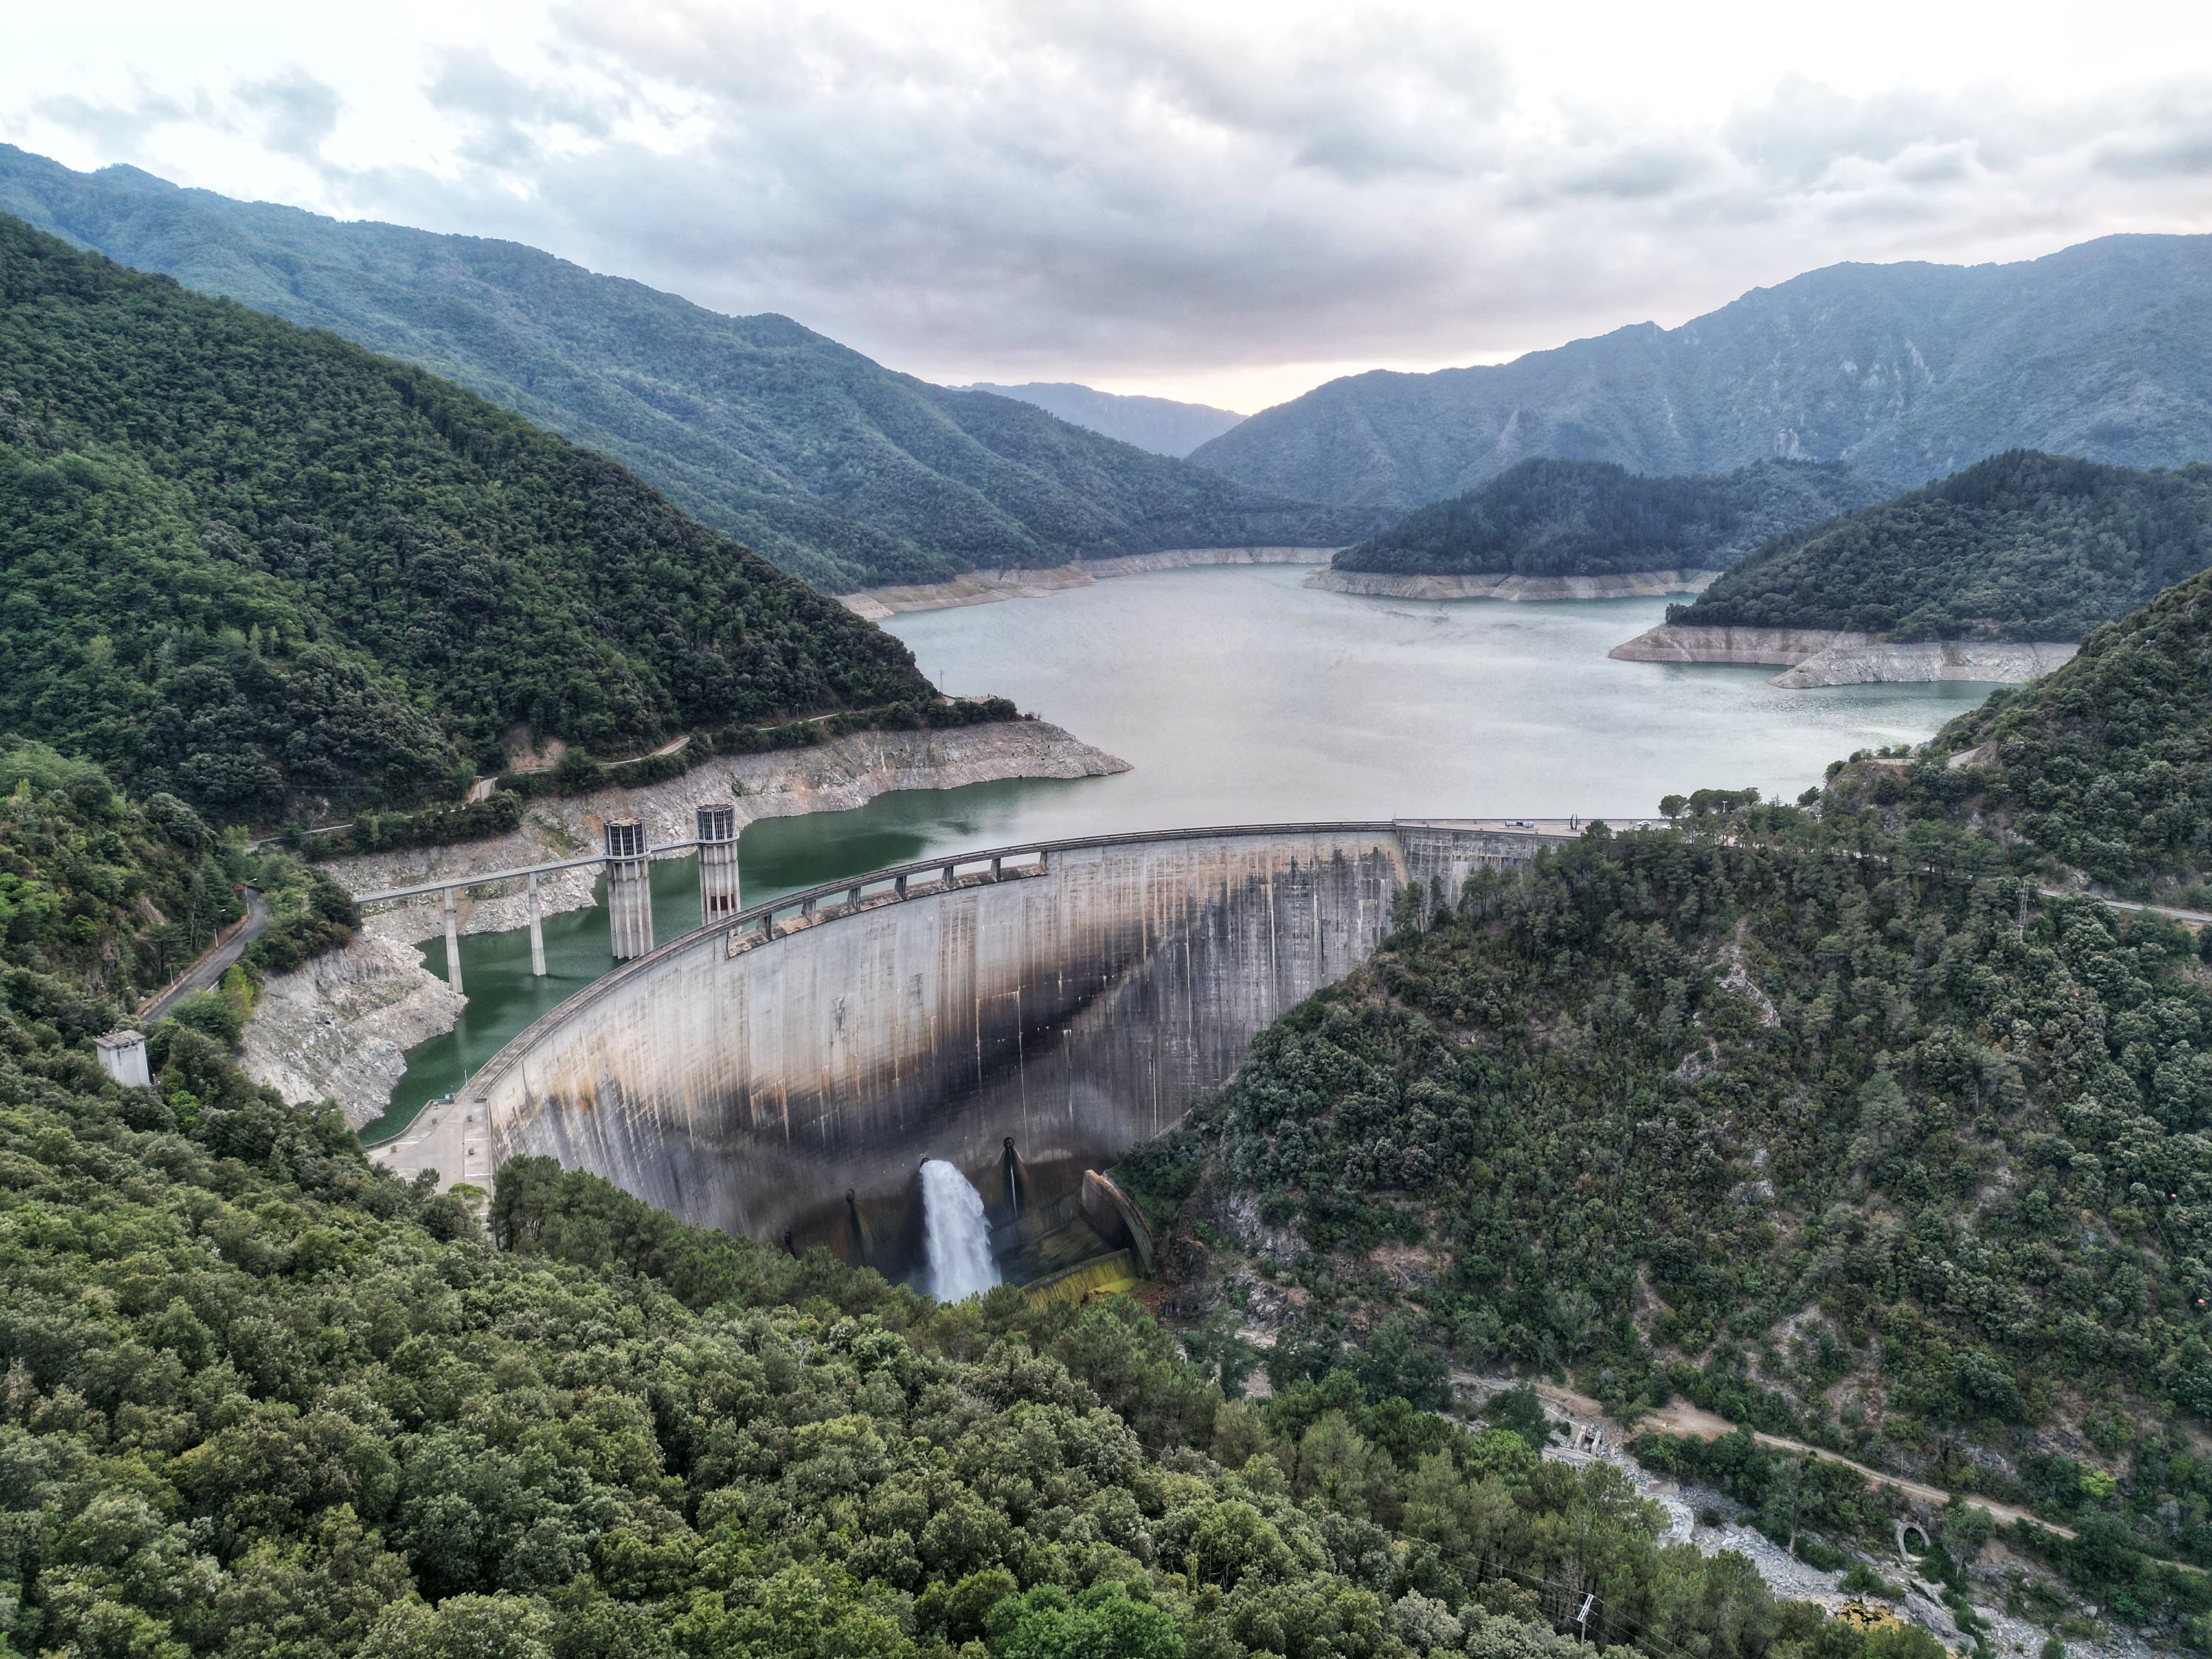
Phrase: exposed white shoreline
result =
(1623, 585)
(988, 586)
(1814, 657)
(339, 1028)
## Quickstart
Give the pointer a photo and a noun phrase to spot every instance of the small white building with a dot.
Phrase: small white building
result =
(123, 1055)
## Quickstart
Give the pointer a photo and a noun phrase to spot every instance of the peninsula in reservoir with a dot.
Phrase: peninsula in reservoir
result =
(1994, 573)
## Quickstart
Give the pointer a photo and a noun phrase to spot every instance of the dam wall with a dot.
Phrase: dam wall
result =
(785, 1073)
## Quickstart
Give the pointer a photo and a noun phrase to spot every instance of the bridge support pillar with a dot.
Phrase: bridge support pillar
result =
(536, 932)
(629, 889)
(717, 864)
(452, 946)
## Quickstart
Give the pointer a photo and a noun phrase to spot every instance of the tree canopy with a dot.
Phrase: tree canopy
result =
(1561, 518)
(251, 565)
(832, 466)
(1843, 1135)
(259, 1397)
(2023, 546)
(2103, 769)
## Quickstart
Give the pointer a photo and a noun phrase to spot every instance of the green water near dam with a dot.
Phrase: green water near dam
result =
(1242, 696)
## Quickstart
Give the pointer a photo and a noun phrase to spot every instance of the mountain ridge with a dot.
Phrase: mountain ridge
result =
(831, 466)
(256, 565)
(1905, 372)
(1160, 424)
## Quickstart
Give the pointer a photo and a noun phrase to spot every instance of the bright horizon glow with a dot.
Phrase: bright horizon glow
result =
(1226, 207)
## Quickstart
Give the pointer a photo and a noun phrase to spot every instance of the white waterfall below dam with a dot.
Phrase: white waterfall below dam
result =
(955, 1235)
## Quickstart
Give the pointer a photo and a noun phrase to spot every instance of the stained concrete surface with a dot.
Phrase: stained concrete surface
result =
(751, 1084)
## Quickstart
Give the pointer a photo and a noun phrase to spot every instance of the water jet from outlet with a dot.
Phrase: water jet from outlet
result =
(957, 1237)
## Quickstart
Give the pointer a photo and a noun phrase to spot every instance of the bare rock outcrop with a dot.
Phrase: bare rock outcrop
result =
(1777, 648)
(1625, 584)
(339, 1029)
(2007, 664)
(1819, 657)
(987, 587)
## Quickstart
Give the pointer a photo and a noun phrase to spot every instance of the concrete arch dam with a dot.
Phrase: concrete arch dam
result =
(785, 1072)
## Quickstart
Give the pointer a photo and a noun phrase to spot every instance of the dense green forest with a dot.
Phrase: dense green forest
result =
(832, 466)
(1551, 518)
(2104, 767)
(2023, 546)
(263, 1399)
(1840, 1131)
(105, 897)
(250, 564)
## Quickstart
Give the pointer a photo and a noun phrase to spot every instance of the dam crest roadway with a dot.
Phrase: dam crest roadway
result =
(1024, 1013)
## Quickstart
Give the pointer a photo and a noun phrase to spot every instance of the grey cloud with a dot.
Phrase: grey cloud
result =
(2161, 155)
(1635, 172)
(506, 117)
(119, 129)
(1800, 133)
(299, 112)
(1087, 191)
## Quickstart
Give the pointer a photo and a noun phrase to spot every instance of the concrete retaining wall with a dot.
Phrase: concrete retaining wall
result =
(748, 1081)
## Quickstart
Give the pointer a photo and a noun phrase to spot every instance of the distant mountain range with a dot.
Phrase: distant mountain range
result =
(1906, 372)
(827, 464)
(1553, 518)
(1159, 424)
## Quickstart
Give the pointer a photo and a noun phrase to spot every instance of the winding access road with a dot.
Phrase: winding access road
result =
(215, 961)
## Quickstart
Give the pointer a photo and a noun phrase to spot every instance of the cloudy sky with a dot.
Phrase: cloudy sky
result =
(1229, 202)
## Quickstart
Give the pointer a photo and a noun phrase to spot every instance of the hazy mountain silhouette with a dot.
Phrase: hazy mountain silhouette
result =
(828, 464)
(1906, 372)
(1159, 424)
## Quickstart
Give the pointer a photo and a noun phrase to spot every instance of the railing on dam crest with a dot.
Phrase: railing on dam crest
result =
(712, 1074)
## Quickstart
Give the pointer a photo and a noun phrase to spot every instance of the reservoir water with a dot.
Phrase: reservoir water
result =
(1239, 696)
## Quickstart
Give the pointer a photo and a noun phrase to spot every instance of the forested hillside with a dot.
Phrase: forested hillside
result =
(262, 1399)
(2104, 768)
(1553, 518)
(2023, 546)
(1842, 1132)
(1159, 424)
(254, 565)
(1904, 373)
(827, 463)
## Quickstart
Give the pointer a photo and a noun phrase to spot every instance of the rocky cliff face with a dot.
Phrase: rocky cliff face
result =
(1935, 659)
(987, 587)
(1776, 648)
(340, 1028)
